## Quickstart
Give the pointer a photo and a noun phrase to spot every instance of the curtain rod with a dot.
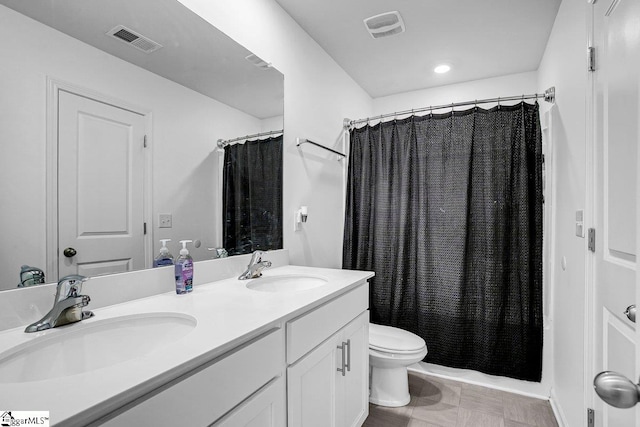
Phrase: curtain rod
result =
(549, 95)
(224, 142)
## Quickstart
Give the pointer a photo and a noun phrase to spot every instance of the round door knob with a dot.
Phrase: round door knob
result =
(69, 252)
(616, 389)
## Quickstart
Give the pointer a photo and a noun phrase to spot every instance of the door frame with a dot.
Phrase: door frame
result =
(54, 86)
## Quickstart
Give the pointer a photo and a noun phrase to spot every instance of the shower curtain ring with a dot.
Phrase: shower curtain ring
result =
(498, 103)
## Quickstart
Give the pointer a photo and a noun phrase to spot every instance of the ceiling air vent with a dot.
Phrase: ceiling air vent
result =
(134, 39)
(384, 25)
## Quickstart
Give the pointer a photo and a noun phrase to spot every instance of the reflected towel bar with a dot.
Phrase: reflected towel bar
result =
(300, 141)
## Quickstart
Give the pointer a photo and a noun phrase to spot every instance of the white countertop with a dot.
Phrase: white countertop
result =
(227, 314)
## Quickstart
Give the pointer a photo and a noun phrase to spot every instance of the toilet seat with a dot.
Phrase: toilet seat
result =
(387, 339)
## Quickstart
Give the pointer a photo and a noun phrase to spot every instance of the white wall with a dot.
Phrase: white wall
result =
(510, 85)
(186, 126)
(318, 95)
(564, 66)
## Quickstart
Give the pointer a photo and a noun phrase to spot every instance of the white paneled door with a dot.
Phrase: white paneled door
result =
(616, 38)
(100, 187)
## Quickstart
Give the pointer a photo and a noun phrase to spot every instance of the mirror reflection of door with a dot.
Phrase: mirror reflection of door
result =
(616, 97)
(101, 172)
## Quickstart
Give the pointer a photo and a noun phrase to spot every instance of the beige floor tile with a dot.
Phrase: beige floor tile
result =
(416, 382)
(467, 418)
(529, 411)
(419, 423)
(511, 423)
(485, 391)
(434, 412)
(478, 399)
(386, 419)
(439, 402)
(441, 391)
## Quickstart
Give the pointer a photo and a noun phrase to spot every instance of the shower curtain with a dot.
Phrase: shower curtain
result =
(446, 209)
(252, 196)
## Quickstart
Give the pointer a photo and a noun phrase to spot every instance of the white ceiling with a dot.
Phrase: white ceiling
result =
(479, 39)
(194, 54)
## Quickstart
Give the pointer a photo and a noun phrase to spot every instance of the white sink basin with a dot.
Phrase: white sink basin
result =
(286, 283)
(91, 345)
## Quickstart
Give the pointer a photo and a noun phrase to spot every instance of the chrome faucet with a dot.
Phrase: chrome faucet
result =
(67, 307)
(255, 267)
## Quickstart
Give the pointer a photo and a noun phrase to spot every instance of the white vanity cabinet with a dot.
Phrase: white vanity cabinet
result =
(328, 372)
(242, 387)
(314, 371)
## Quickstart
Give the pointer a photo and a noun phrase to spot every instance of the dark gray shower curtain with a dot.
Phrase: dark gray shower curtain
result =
(447, 210)
(252, 196)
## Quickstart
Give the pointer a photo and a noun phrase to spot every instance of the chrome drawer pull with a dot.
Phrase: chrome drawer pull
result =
(343, 369)
(349, 355)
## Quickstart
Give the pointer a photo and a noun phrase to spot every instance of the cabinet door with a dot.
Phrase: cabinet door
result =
(353, 387)
(311, 387)
(266, 408)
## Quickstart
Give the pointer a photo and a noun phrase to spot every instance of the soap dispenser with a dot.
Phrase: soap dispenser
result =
(164, 257)
(184, 270)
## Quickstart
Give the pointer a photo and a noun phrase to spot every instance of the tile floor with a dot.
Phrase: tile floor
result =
(437, 402)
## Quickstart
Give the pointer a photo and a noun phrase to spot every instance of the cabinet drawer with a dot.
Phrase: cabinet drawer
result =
(309, 330)
(211, 390)
(266, 408)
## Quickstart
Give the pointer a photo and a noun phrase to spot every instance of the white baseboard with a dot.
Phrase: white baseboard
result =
(523, 388)
(557, 410)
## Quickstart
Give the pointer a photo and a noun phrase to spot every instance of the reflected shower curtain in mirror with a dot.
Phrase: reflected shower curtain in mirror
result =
(447, 210)
(252, 196)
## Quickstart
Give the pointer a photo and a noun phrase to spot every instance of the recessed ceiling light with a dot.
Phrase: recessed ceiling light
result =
(440, 69)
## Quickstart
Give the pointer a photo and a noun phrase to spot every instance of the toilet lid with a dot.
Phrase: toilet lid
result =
(393, 339)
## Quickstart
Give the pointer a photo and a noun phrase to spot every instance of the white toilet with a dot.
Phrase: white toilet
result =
(391, 350)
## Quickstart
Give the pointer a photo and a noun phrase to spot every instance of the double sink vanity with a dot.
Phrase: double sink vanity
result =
(288, 348)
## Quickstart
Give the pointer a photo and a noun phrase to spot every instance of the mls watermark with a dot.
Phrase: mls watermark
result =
(24, 418)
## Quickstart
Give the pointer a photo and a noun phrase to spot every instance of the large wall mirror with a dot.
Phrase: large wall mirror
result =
(111, 112)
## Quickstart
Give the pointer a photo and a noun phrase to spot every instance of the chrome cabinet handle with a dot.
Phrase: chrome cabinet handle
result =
(630, 312)
(616, 389)
(349, 355)
(344, 366)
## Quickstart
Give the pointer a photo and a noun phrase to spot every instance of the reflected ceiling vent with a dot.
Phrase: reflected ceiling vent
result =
(134, 39)
(258, 62)
(385, 24)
